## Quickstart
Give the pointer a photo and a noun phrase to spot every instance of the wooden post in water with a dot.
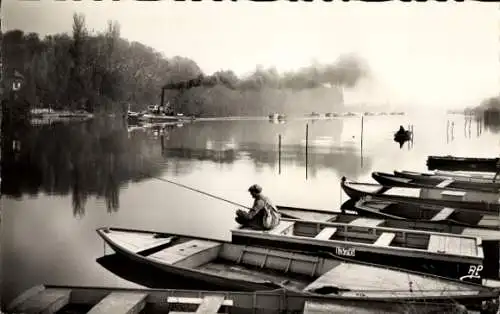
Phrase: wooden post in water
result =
(279, 154)
(362, 132)
(307, 147)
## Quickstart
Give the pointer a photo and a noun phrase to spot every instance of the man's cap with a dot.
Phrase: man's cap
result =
(255, 188)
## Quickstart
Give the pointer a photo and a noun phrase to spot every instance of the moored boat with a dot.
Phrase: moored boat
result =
(252, 268)
(462, 163)
(154, 301)
(419, 180)
(486, 177)
(444, 254)
(404, 215)
(476, 201)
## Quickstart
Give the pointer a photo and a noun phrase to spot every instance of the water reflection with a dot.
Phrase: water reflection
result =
(491, 120)
(97, 158)
(81, 159)
(229, 141)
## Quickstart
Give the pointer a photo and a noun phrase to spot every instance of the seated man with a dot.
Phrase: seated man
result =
(262, 216)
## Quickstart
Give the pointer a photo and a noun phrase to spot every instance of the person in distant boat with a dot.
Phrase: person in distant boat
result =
(401, 130)
(263, 215)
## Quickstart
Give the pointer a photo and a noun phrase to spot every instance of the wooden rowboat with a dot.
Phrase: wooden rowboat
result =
(419, 180)
(251, 268)
(443, 254)
(417, 216)
(468, 180)
(52, 299)
(462, 163)
(482, 202)
(486, 176)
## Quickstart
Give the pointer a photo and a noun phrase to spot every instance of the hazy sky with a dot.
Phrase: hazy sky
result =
(424, 53)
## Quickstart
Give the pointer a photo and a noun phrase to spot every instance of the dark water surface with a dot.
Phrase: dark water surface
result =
(68, 180)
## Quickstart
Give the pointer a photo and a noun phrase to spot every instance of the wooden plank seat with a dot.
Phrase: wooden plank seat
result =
(443, 214)
(199, 251)
(367, 222)
(326, 233)
(385, 239)
(207, 305)
(121, 302)
(452, 245)
(283, 228)
(445, 183)
(453, 195)
(40, 300)
(194, 301)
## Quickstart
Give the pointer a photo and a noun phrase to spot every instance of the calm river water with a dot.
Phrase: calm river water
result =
(68, 180)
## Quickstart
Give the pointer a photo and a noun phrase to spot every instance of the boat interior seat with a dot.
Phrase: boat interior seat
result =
(385, 239)
(326, 233)
(445, 183)
(284, 227)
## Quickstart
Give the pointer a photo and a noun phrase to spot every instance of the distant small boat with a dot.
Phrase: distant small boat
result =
(422, 179)
(404, 136)
(363, 240)
(463, 163)
(472, 200)
(251, 268)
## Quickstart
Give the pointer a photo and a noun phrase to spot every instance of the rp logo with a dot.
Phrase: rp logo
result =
(473, 272)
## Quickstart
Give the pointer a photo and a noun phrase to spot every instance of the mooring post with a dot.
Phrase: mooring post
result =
(279, 153)
(362, 132)
(307, 147)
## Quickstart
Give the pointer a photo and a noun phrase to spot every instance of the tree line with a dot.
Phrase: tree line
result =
(103, 72)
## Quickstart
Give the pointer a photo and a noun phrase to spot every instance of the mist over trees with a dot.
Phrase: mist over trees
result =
(102, 72)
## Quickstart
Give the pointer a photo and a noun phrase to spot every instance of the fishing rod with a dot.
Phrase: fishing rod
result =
(199, 191)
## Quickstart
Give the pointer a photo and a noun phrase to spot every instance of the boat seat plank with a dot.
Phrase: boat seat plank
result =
(403, 180)
(210, 304)
(282, 228)
(443, 214)
(45, 301)
(179, 252)
(326, 233)
(195, 301)
(367, 222)
(445, 183)
(121, 302)
(385, 239)
(454, 193)
(137, 242)
(452, 245)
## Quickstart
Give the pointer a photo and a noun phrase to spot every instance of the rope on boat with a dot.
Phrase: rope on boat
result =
(199, 191)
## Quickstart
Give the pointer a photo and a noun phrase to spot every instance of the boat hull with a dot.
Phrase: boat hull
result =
(350, 252)
(462, 163)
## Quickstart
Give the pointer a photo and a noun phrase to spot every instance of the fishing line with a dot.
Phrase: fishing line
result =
(198, 191)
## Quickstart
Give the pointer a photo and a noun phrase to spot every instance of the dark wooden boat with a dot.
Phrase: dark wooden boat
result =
(251, 268)
(443, 254)
(40, 299)
(419, 180)
(462, 163)
(481, 202)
